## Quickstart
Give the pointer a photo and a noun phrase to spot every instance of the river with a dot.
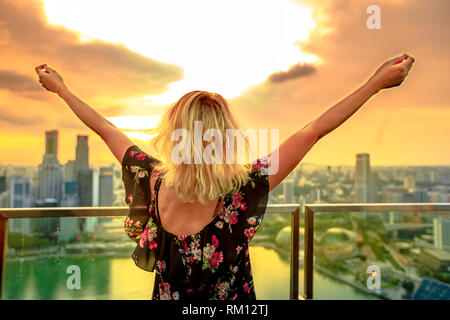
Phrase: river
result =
(111, 278)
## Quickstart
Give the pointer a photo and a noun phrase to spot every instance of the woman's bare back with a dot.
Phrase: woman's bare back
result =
(181, 218)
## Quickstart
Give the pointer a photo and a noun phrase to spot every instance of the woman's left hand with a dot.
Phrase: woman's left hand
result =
(50, 79)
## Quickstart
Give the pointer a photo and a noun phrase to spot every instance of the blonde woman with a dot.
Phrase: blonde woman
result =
(192, 222)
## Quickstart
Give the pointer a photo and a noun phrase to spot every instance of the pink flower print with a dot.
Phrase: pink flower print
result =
(185, 247)
(249, 232)
(130, 198)
(215, 241)
(237, 198)
(260, 163)
(246, 288)
(251, 220)
(134, 168)
(128, 222)
(161, 265)
(234, 297)
(238, 203)
(216, 258)
(176, 295)
(238, 249)
(233, 218)
(132, 152)
(164, 285)
(152, 245)
(144, 237)
(141, 156)
(182, 237)
(150, 209)
(246, 252)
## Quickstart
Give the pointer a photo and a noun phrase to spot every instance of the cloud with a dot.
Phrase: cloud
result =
(295, 71)
(19, 120)
(15, 82)
(26, 40)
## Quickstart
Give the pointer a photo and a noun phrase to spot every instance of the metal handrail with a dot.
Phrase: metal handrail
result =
(311, 209)
(85, 212)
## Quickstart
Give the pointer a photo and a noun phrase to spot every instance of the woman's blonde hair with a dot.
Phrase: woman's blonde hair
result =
(199, 182)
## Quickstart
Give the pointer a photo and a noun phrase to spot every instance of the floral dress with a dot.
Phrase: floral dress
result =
(212, 264)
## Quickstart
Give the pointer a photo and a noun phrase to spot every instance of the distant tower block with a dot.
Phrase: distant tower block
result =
(363, 178)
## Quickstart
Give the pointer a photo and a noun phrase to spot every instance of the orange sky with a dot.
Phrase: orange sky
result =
(407, 125)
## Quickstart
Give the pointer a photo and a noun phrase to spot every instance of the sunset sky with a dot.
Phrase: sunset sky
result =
(279, 63)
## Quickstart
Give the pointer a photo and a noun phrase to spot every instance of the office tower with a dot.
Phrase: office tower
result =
(95, 186)
(106, 186)
(363, 179)
(374, 187)
(70, 198)
(50, 174)
(51, 142)
(420, 195)
(409, 182)
(69, 171)
(81, 154)
(288, 191)
(50, 179)
(3, 183)
(20, 194)
(441, 233)
(85, 187)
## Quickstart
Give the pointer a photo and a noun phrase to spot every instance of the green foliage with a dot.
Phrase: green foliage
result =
(20, 241)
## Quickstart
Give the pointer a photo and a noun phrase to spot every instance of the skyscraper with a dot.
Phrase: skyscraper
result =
(106, 186)
(81, 154)
(20, 194)
(51, 142)
(50, 175)
(363, 179)
(85, 187)
(441, 233)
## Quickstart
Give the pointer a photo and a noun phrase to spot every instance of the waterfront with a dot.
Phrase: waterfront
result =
(111, 278)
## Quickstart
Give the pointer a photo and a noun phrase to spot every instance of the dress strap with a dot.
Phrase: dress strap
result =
(157, 185)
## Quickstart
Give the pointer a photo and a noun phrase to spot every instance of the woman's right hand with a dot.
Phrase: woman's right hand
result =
(392, 73)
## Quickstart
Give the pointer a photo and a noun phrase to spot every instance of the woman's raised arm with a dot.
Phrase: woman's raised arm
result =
(116, 140)
(291, 152)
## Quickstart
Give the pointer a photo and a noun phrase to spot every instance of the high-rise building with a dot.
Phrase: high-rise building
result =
(51, 142)
(85, 187)
(81, 154)
(20, 194)
(50, 174)
(106, 186)
(71, 198)
(3, 183)
(409, 182)
(441, 234)
(363, 193)
(420, 195)
(69, 171)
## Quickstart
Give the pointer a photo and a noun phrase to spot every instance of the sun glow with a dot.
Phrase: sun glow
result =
(222, 46)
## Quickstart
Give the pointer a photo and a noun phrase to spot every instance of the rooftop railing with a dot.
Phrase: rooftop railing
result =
(308, 211)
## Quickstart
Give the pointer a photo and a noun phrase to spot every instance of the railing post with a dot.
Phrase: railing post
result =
(295, 225)
(309, 253)
(3, 244)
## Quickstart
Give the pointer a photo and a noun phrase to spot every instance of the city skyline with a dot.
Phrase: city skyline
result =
(131, 82)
